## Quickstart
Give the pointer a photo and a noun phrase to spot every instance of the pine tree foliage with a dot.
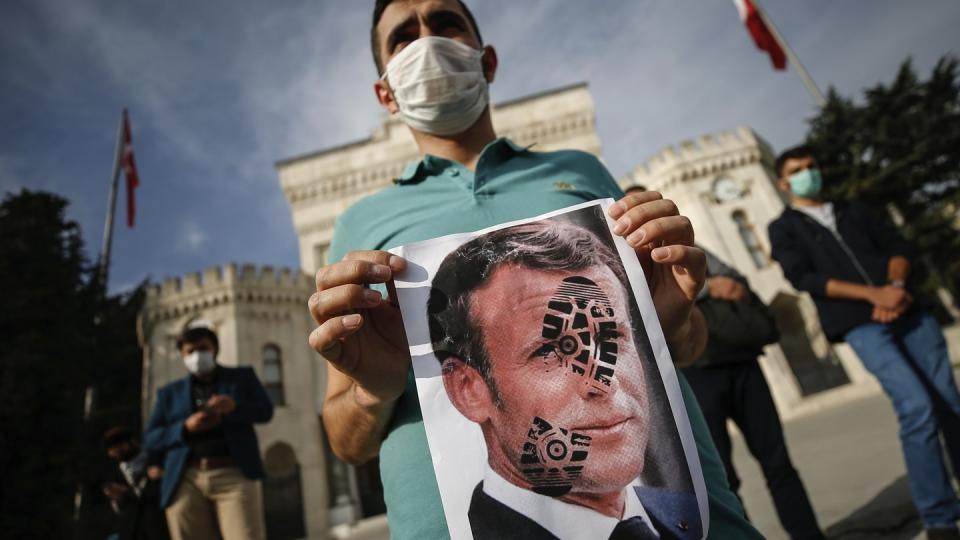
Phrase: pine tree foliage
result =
(899, 147)
(59, 337)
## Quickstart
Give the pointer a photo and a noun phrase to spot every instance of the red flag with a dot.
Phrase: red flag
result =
(761, 35)
(129, 169)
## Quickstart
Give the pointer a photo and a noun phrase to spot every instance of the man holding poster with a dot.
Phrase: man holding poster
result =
(434, 71)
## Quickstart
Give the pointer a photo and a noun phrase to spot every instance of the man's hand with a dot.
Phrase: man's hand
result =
(892, 298)
(359, 332)
(221, 404)
(726, 288)
(114, 490)
(885, 316)
(155, 472)
(674, 268)
(201, 421)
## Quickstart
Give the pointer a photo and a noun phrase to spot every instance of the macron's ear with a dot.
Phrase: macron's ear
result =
(467, 390)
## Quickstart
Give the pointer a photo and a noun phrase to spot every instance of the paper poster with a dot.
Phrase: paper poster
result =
(549, 398)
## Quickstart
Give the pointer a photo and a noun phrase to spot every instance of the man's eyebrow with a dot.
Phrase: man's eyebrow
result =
(446, 15)
(395, 31)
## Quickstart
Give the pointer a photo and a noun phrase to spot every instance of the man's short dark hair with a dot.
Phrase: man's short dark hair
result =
(196, 335)
(541, 245)
(117, 435)
(378, 9)
(635, 187)
(796, 152)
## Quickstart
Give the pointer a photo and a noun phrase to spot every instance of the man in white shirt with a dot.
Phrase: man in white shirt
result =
(533, 328)
(857, 268)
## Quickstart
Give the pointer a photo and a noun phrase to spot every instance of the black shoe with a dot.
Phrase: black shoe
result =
(943, 533)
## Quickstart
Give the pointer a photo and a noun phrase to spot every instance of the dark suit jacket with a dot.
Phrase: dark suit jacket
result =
(165, 431)
(675, 515)
(810, 255)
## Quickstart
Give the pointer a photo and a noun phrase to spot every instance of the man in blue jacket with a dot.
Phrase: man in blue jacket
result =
(855, 266)
(204, 424)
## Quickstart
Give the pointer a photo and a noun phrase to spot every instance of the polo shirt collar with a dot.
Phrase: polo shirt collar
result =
(416, 171)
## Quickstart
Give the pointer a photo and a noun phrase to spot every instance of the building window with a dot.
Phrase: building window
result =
(320, 254)
(273, 374)
(750, 239)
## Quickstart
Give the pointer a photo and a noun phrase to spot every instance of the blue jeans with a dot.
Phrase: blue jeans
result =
(909, 357)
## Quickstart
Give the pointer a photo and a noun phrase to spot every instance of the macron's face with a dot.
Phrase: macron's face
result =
(570, 378)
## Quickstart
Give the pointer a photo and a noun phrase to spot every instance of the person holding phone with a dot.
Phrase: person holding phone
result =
(204, 424)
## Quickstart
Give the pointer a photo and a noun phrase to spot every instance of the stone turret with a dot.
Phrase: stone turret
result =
(708, 155)
(225, 285)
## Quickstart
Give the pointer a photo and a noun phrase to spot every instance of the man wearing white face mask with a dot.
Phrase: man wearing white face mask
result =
(856, 267)
(204, 424)
(434, 72)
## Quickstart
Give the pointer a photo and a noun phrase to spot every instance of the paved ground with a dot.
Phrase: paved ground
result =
(850, 461)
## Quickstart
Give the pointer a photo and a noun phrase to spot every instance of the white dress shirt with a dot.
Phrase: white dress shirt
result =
(822, 214)
(562, 519)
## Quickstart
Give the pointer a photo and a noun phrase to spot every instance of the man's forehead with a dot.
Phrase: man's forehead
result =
(798, 162)
(399, 11)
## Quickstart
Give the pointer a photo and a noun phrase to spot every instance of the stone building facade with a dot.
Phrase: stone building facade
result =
(723, 182)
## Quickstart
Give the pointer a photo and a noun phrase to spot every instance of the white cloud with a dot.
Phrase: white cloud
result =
(193, 237)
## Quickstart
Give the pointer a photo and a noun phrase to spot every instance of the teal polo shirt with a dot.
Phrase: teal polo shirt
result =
(436, 197)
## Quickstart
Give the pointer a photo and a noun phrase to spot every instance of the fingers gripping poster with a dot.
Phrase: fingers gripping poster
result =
(550, 402)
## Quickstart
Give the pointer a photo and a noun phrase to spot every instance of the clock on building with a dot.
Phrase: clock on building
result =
(726, 189)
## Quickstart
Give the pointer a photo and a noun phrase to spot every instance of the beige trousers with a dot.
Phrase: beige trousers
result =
(219, 498)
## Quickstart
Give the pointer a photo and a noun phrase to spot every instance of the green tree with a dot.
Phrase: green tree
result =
(900, 146)
(60, 336)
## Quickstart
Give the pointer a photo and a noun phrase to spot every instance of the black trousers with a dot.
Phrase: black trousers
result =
(740, 392)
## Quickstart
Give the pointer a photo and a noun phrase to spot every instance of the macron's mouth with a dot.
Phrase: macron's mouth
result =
(605, 427)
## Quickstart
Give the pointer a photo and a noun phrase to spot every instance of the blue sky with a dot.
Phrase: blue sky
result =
(219, 90)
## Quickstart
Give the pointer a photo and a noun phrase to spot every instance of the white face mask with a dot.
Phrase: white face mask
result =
(199, 362)
(439, 85)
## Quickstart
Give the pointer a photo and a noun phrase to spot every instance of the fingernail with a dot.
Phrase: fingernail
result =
(660, 253)
(621, 226)
(615, 209)
(351, 321)
(371, 297)
(395, 261)
(379, 271)
(637, 237)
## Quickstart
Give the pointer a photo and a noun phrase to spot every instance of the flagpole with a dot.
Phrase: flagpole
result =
(111, 207)
(792, 58)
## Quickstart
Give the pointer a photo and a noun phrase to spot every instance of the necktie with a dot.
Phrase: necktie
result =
(632, 529)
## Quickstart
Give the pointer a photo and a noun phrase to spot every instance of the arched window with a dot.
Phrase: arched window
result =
(273, 374)
(750, 239)
(283, 493)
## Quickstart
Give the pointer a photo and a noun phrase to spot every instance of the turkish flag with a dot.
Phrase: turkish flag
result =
(129, 169)
(761, 35)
